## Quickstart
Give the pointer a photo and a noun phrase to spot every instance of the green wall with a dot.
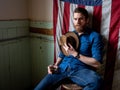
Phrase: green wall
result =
(42, 51)
(24, 56)
(15, 62)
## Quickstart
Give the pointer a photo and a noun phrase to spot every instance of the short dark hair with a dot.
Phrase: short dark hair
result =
(83, 11)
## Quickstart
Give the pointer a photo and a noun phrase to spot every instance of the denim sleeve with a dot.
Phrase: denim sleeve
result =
(97, 47)
(61, 55)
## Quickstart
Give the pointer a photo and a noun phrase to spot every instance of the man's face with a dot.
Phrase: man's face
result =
(79, 21)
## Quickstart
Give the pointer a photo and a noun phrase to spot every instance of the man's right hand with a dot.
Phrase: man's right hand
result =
(52, 69)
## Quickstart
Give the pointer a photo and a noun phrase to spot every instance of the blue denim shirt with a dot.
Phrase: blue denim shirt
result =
(90, 45)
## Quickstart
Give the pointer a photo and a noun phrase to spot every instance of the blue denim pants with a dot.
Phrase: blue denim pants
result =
(86, 78)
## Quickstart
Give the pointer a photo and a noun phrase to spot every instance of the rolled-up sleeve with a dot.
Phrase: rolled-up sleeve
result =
(97, 47)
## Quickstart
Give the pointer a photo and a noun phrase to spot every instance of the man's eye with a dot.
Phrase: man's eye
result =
(75, 18)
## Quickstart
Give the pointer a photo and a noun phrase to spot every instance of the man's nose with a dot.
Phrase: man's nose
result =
(78, 21)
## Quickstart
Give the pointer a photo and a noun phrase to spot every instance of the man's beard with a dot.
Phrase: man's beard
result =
(78, 28)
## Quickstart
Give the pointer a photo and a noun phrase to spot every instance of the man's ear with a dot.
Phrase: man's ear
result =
(88, 20)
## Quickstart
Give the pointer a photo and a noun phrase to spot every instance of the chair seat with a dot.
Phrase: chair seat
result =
(71, 86)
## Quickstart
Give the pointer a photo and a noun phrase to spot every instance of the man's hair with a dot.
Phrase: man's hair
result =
(83, 11)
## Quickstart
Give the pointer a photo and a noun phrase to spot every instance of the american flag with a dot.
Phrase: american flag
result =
(104, 18)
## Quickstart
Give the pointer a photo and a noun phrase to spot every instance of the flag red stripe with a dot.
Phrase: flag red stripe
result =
(55, 15)
(66, 18)
(112, 45)
(97, 14)
(82, 6)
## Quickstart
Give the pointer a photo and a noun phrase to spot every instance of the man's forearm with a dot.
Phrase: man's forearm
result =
(89, 61)
(58, 61)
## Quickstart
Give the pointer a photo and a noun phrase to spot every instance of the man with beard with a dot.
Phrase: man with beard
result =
(79, 65)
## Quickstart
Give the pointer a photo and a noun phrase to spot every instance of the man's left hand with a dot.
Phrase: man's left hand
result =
(70, 50)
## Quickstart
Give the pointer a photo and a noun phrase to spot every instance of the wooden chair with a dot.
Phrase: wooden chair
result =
(69, 85)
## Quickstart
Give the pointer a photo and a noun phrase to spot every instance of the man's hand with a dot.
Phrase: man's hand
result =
(70, 50)
(52, 69)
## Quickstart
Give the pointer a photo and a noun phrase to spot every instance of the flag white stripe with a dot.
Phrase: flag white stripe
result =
(105, 24)
(90, 11)
(59, 25)
(106, 14)
(118, 50)
(72, 7)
